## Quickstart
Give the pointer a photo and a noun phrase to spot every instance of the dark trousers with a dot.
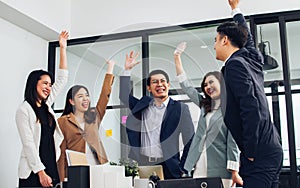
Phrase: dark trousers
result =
(33, 181)
(262, 172)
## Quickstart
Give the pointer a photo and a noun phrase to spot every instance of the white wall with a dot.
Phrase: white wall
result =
(43, 18)
(115, 15)
(21, 52)
(96, 17)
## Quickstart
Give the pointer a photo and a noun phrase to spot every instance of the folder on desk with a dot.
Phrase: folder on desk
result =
(76, 158)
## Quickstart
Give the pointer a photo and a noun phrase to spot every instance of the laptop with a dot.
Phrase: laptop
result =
(214, 182)
(146, 171)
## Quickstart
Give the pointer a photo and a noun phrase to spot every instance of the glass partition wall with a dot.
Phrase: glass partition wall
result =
(276, 35)
(293, 39)
(277, 38)
(269, 39)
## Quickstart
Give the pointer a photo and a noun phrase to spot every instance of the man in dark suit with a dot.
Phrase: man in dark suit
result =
(246, 113)
(155, 123)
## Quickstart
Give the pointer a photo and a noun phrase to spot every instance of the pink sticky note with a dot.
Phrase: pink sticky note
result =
(124, 118)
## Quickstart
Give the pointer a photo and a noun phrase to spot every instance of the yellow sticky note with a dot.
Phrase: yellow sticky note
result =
(108, 132)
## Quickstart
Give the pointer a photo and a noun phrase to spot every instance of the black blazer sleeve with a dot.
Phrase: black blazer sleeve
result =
(239, 18)
(125, 92)
(187, 132)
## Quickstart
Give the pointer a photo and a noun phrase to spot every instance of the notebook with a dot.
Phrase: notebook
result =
(76, 158)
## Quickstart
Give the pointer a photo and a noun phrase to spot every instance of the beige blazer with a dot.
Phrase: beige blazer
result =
(75, 137)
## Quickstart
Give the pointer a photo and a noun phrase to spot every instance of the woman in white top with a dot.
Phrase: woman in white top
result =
(38, 129)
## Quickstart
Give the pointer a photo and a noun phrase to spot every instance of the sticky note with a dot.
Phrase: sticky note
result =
(108, 132)
(124, 118)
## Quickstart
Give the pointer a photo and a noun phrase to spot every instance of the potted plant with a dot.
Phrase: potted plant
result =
(131, 167)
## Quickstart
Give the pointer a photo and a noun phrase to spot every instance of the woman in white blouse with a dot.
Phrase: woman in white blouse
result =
(38, 129)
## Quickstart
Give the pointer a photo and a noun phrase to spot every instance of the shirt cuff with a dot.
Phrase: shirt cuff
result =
(236, 11)
(126, 73)
(233, 165)
(181, 77)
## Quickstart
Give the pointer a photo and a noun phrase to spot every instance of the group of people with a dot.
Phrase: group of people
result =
(235, 138)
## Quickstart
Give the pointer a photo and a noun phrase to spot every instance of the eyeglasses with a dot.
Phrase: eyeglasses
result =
(157, 81)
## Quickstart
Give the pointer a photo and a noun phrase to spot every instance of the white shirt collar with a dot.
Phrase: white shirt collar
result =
(164, 104)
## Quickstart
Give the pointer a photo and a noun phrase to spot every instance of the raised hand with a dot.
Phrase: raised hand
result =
(110, 68)
(131, 60)
(177, 57)
(180, 48)
(233, 3)
(63, 37)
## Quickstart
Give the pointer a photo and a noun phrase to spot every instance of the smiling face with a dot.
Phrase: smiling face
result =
(43, 87)
(212, 87)
(81, 101)
(159, 86)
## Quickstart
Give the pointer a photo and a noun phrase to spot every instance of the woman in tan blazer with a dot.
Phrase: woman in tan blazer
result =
(80, 123)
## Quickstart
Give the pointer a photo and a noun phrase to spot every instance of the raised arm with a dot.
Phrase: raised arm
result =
(63, 37)
(125, 86)
(186, 86)
(239, 18)
(177, 58)
(110, 66)
(233, 4)
(62, 74)
(106, 89)
(131, 61)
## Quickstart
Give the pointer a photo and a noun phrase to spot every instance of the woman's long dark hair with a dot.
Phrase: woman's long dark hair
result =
(89, 115)
(31, 95)
(207, 102)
